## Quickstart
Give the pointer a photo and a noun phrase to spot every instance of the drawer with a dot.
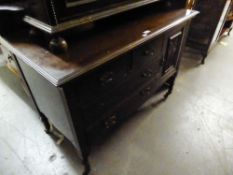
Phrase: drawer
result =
(145, 74)
(122, 111)
(100, 81)
(150, 53)
(93, 112)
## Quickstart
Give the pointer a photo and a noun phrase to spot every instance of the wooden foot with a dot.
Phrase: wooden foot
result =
(170, 84)
(87, 167)
(203, 58)
(58, 45)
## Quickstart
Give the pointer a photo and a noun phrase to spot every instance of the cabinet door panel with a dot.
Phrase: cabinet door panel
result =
(172, 51)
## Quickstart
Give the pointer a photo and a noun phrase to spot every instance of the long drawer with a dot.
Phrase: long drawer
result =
(151, 53)
(117, 115)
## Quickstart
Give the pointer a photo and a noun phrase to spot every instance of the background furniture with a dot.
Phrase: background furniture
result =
(205, 29)
(227, 27)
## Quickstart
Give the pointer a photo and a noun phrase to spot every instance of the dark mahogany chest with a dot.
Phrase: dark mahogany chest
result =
(106, 74)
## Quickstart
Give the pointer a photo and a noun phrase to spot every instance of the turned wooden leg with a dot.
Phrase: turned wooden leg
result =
(203, 58)
(170, 83)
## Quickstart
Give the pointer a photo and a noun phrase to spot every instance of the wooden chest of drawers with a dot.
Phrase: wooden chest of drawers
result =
(99, 94)
(90, 90)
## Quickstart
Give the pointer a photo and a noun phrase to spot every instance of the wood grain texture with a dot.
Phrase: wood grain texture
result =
(101, 45)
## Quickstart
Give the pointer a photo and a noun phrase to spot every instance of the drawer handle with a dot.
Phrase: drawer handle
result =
(111, 121)
(147, 73)
(149, 53)
(106, 78)
(146, 91)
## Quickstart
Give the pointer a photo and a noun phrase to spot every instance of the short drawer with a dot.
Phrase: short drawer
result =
(100, 81)
(150, 53)
(145, 74)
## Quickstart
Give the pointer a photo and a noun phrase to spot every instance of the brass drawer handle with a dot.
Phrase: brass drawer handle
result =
(149, 53)
(147, 73)
(110, 122)
(146, 91)
(106, 78)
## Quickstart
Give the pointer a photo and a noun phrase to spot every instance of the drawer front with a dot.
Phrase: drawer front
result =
(123, 111)
(150, 54)
(100, 81)
(145, 74)
(93, 111)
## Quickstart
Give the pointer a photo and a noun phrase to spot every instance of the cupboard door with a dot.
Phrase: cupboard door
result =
(172, 50)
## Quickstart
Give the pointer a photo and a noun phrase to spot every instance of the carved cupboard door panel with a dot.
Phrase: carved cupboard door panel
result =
(172, 51)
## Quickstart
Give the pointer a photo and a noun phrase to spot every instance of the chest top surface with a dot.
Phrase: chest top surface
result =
(92, 49)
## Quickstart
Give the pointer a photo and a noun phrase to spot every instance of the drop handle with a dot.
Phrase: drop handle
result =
(110, 122)
(147, 73)
(149, 52)
(146, 91)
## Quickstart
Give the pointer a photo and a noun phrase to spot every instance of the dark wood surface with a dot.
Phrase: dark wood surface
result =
(129, 80)
(107, 73)
(55, 16)
(89, 50)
